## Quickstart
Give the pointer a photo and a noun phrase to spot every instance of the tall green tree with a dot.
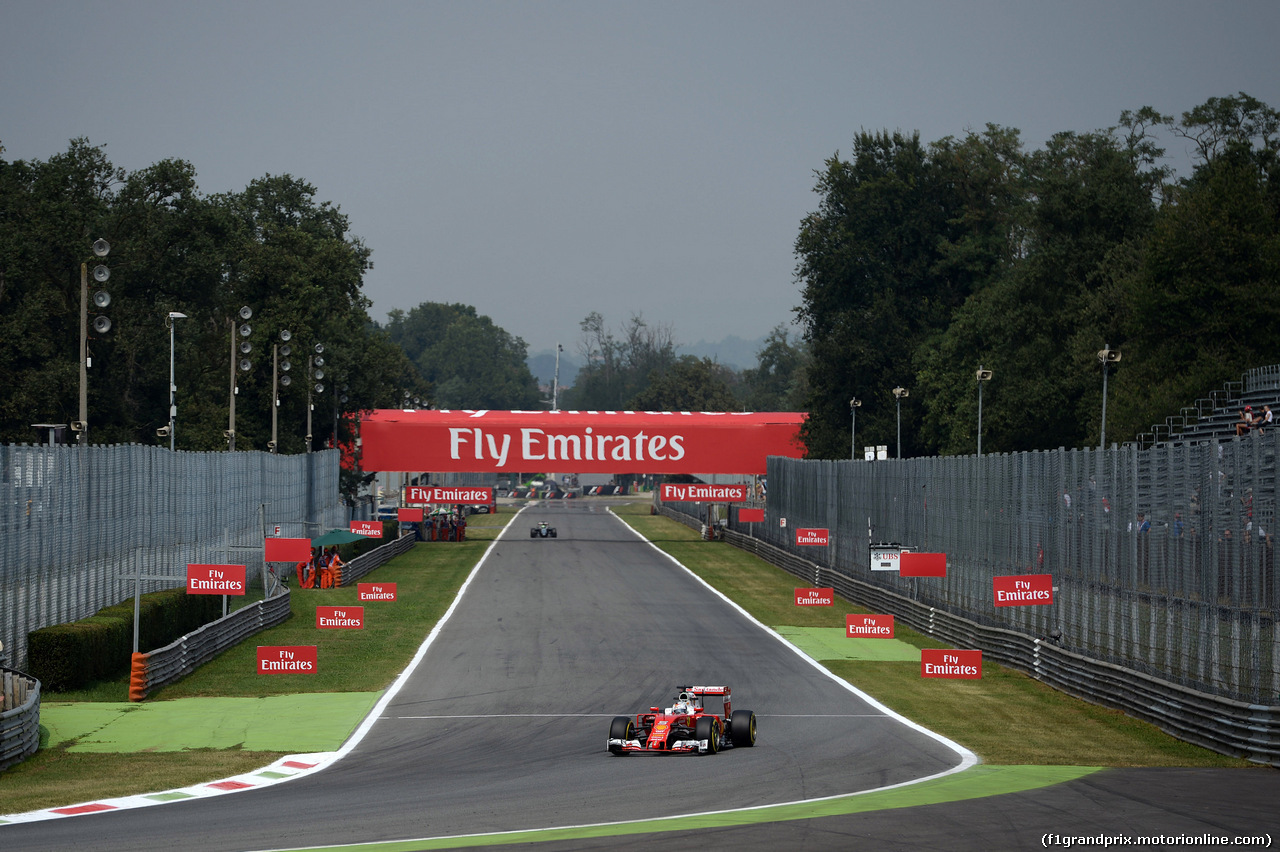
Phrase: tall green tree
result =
(617, 369)
(691, 384)
(1201, 310)
(780, 379)
(470, 362)
(272, 247)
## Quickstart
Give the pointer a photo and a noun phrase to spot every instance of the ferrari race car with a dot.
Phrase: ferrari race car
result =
(685, 726)
(542, 531)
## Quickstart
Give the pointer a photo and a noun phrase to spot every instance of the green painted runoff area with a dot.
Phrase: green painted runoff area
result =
(831, 643)
(976, 783)
(289, 723)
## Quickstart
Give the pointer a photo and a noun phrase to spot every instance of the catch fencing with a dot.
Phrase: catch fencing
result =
(1162, 559)
(79, 525)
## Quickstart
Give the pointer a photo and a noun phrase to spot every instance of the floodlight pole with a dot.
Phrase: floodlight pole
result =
(231, 424)
(173, 388)
(853, 429)
(275, 392)
(82, 437)
(898, 394)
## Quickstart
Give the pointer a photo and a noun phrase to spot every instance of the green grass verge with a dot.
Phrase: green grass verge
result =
(355, 661)
(1006, 717)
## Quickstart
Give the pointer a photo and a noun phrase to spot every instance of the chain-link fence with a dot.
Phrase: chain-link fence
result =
(1162, 559)
(77, 525)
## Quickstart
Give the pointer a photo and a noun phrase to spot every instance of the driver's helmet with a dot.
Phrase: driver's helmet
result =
(543, 525)
(684, 704)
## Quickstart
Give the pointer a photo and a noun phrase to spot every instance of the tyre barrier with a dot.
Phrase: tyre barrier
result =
(20, 719)
(174, 661)
(1234, 728)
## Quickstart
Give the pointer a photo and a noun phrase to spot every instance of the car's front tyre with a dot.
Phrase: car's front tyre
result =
(620, 729)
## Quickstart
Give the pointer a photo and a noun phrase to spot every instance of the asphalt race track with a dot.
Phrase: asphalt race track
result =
(502, 727)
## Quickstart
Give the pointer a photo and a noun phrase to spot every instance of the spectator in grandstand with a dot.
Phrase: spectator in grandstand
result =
(1245, 423)
(1265, 419)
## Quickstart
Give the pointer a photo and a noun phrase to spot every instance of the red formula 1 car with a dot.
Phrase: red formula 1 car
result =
(684, 727)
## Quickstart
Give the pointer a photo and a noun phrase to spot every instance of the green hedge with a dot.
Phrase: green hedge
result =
(73, 655)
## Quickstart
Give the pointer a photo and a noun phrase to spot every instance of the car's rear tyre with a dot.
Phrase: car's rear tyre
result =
(620, 729)
(708, 728)
(742, 728)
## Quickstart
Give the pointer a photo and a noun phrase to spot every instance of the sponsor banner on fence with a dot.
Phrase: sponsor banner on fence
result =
(372, 529)
(450, 494)
(940, 662)
(215, 579)
(868, 626)
(286, 550)
(805, 535)
(696, 492)
(750, 516)
(286, 659)
(411, 516)
(582, 441)
(376, 591)
(340, 617)
(815, 597)
(1024, 590)
(885, 557)
(922, 564)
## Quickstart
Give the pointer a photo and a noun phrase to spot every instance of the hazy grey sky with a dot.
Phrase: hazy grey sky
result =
(542, 160)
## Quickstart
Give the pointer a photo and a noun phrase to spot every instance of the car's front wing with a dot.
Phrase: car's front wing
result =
(679, 746)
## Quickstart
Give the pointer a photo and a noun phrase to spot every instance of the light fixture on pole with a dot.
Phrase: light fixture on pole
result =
(245, 347)
(1107, 356)
(899, 394)
(983, 376)
(314, 374)
(279, 381)
(173, 388)
(101, 325)
(854, 405)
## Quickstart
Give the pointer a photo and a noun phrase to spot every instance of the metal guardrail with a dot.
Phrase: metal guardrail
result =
(20, 721)
(357, 568)
(1235, 728)
(178, 659)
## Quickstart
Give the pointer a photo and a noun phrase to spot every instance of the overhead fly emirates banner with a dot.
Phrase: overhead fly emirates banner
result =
(581, 441)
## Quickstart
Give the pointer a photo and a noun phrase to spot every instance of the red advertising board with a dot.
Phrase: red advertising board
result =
(698, 492)
(750, 516)
(941, 662)
(922, 564)
(340, 617)
(215, 579)
(811, 536)
(581, 441)
(1024, 590)
(372, 529)
(868, 626)
(815, 597)
(376, 591)
(286, 659)
(450, 494)
(286, 550)
(412, 516)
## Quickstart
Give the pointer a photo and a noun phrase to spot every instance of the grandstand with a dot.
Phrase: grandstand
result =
(1214, 417)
